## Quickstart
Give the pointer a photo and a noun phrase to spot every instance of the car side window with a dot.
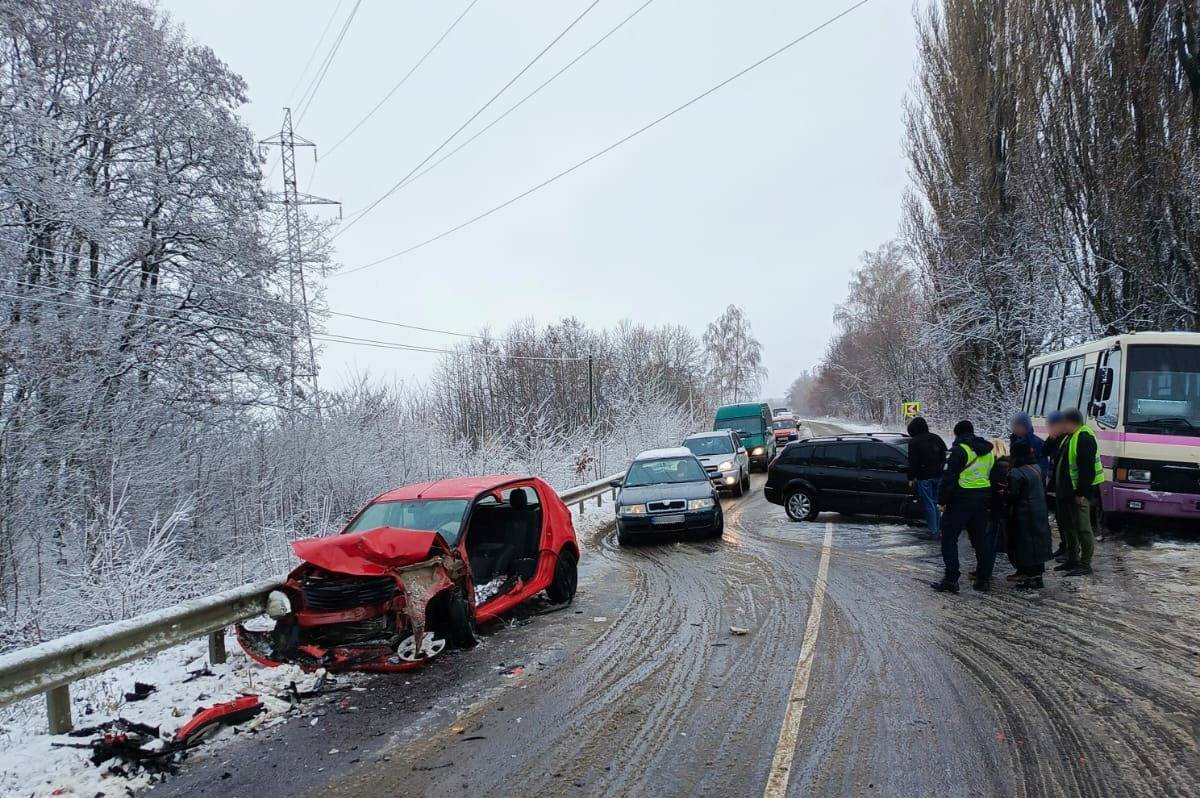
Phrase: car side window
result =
(881, 457)
(837, 455)
(796, 455)
(530, 495)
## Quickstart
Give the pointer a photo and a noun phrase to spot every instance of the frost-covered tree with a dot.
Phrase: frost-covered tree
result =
(734, 356)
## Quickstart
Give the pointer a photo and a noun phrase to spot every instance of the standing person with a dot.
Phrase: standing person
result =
(1052, 449)
(1079, 474)
(964, 493)
(1021, 428)
(1029, 527)
(998, 507)
(926, 459)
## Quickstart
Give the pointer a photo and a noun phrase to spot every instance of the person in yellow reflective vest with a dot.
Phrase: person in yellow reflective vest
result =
(1077, 478)
(964, 497)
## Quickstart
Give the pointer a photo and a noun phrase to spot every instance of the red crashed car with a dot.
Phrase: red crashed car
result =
(415, 571)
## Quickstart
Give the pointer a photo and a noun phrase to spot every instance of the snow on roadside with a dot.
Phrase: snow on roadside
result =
(30, 764)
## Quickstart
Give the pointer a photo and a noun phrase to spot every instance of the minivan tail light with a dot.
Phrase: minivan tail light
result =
(774, 460)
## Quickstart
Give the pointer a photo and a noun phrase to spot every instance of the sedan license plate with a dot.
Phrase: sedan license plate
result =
(667, 519)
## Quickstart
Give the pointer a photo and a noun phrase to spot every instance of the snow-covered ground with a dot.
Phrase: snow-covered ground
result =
(31, 766)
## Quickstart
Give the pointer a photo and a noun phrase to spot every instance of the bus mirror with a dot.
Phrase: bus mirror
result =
(1103, 388)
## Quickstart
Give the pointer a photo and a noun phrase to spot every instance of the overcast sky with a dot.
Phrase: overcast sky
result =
(764, 194)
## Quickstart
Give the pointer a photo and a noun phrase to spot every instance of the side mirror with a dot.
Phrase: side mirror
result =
(741, 450)
(616, 483)
(1102, 391)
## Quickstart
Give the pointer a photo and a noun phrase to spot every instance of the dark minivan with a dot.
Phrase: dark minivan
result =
(856, 474)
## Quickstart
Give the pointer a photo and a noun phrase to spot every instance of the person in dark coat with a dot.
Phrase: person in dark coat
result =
(999, 510)
(1029, 526)
(1022, 430)
(1053, 450)
(926, 459)
(965, 494)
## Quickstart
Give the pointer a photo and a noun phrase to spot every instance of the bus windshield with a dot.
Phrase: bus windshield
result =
(1162, 389)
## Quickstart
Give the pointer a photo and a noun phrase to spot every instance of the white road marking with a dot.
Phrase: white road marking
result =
(785, 749)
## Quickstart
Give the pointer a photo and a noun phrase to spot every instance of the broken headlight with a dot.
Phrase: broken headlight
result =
(632, 509)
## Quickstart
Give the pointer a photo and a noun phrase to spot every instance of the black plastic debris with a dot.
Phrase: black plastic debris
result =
(141, 691)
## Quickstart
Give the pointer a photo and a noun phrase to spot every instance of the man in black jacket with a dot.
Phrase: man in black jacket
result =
(926, 459)
(965, 493)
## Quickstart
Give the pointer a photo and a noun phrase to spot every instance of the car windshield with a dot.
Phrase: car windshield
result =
(784, 423)
(710, 444)
(667, 471)
(444, 516)
(750, 425)
(1163, 388)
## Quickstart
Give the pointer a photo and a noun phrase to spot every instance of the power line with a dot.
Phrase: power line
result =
(315, 49)
(311, 93)
(527, 97)
(280, 334)
(402, 80)
(607, 149)
(245, 294)
(355, 218)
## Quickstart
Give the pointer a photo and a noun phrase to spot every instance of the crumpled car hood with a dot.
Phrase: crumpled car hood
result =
(371, 553)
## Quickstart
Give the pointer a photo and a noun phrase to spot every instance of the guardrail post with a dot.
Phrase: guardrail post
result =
(58, 709)
(582, 504)
(599, 499)
(216, 647)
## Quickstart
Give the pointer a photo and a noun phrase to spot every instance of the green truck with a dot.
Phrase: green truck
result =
(752, 423)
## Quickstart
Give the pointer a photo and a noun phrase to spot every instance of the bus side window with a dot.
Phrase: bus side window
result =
(1054, 381)
(1035, 390)
(1085, 397)
(1110, 407)
(1072, 385)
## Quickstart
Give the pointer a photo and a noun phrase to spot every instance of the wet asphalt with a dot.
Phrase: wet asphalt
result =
(1090, 687)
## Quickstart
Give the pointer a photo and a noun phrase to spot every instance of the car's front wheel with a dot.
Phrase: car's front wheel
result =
(566, 578)
(800, 505)
(739, 489)
(719, 526)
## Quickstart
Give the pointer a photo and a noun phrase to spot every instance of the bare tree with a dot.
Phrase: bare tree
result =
(734, 356)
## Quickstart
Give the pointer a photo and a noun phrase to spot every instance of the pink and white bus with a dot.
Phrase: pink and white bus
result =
(1141, 394)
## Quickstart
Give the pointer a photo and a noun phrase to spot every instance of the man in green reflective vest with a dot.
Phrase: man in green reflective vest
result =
(964, 495)
(1078, 476)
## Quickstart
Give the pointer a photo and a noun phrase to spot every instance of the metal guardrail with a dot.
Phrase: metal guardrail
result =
(52, 666)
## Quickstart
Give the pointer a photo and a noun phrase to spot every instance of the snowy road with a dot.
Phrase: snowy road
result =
(1090, 689)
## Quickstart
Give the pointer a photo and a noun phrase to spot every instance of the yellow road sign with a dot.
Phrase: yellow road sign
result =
(910, 409)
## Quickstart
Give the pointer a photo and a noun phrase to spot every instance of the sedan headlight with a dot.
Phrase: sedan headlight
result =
(758, 450)
(1139, 475)
(700, 504)
(632, 509)
(726, 466)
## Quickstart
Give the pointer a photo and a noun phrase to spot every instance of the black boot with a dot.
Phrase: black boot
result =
(1080, 569)
(1061, 551)
(945, 586)
(1069, 565)
(982, 585)
(1034, 583)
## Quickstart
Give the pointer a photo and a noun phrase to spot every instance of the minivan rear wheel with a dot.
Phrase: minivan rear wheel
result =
(800, 505)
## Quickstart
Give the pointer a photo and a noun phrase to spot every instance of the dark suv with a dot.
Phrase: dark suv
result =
(859, 474)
